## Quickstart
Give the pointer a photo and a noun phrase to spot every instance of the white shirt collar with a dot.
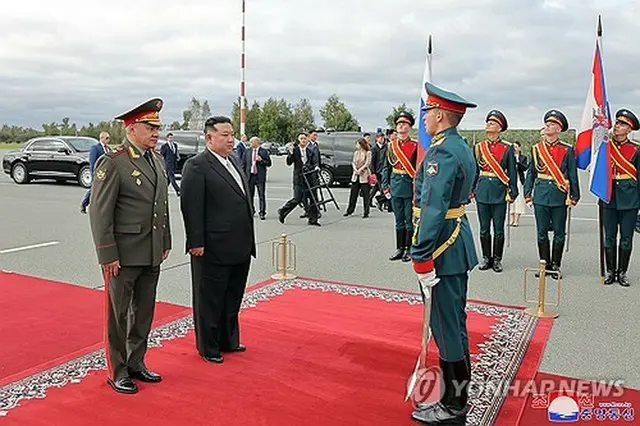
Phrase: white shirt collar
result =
(220, 158)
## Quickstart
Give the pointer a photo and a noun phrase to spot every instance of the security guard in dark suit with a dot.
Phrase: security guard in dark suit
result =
(129, 217)
(443, 250)
(496, 185)
(622, 209)
(552, 186)
(397, 180)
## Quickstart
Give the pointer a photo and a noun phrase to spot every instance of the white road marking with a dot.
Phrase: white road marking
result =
(30, 247)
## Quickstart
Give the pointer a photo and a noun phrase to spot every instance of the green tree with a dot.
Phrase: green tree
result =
(176, 125)
(275, 121)
(337, 116)
(395, 111)
(302, 117)
(253, 120)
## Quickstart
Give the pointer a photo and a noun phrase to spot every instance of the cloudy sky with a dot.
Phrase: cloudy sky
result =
(91, 60)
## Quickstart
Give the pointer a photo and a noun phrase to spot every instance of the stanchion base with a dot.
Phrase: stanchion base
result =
(544, 314)
(283, 277)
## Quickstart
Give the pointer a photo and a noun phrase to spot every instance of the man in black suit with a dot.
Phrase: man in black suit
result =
(254, 164)
(303, 160)
(169, 152)
(312, 146)
(218, 223)
(378, 158)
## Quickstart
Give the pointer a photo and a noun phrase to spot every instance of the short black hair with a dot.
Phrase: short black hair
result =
(517, 143)
(169, 134)
(366, 134)
(302, 133)
(210, 124)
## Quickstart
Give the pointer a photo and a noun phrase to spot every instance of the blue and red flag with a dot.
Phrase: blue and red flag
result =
(424, 138)
(592, 144)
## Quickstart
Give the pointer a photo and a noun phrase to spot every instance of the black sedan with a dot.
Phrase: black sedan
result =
(61, 158)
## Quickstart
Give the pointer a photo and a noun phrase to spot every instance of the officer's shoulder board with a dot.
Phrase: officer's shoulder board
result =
(636, 143)
(565, 144)
(118, 150)
(507, 143)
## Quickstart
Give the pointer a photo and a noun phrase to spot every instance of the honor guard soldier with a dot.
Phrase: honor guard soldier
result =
(129, 217)
(443, 251)
(552, 185)
(496, 185)
(397, 181)
(622, 209)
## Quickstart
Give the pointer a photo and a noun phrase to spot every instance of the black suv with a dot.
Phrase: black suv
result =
(336, 151)
(190, 143)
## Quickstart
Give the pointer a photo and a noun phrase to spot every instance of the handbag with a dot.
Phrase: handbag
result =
(372, 179)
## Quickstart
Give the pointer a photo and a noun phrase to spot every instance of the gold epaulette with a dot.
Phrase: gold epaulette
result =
(567, 144)
(636, 143)
(507, 143)
(120, 149)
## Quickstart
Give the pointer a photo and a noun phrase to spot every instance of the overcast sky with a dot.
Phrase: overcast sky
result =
(91, 60)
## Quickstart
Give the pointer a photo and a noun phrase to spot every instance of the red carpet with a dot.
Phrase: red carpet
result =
(612, 405)
(318, 353)
(45, 323)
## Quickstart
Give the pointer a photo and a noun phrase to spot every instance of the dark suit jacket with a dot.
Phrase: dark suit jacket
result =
(170, 157)
(247, 160)
(315, 148)
(378, 157)
(298, 166)
(96, 151)
(522, 164)
(216, 214)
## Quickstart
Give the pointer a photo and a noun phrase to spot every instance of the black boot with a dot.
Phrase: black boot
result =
(485, 244)
(452, 408)
(399, 245)
(610, 259)
(556, 259)
(406, 257)
(624, 256)
(498, 248)
(544, 253)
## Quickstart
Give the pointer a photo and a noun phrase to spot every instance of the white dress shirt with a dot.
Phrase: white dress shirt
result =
(232, 170)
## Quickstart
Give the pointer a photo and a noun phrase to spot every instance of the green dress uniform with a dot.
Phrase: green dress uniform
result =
(443, 242)
(552, 185)
(622, 210)
(129, 218)
(398, 174)
(496, 185)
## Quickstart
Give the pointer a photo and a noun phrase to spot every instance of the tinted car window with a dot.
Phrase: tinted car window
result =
(38, 145)
(82, 144)
(55, 146)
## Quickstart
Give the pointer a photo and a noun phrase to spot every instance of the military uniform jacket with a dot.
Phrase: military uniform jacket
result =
(540, 185)
(443, 182)
(129, 211)
(399, 170)
(625, 193)
(496, 172)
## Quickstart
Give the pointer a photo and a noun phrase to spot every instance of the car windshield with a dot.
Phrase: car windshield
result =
(82, 144)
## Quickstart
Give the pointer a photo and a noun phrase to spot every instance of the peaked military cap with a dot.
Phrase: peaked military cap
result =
(627, 117)
(498, 117)
(406, 117)
(439, 98)
(557, 117)
(147, 112)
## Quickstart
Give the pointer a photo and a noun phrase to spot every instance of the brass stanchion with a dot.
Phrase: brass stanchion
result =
(283, 255)
(539, 311)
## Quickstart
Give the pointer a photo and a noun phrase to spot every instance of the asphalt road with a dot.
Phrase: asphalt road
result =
(596, 336)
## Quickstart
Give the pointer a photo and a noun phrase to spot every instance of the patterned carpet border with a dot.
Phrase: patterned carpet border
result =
(498, 361)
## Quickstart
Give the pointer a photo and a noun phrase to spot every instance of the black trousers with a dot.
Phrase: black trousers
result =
(356, 189)
(253, 184)
(217, 296)
(301, 194)
(171, 177)
(131, 298)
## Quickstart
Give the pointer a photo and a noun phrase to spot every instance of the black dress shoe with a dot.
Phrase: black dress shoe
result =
(280, 216)
(83, 210)
(123, 385)
(262, 216)
(314, 223)
(239, 348)
(145, 376)
(215, 359)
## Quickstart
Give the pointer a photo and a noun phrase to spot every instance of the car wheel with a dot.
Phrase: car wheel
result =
(19, 173)
(327, 176)
(84, 177)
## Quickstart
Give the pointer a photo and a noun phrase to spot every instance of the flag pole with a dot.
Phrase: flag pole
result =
(600, 208)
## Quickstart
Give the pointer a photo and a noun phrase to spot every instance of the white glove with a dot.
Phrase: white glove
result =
(427, 281)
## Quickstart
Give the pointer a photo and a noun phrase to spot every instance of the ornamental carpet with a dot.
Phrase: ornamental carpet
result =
(318, 353)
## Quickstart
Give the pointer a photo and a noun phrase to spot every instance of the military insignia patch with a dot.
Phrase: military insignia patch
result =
(432, 168)
(135, 173)
(138, 182)
(133, 153)
(101, 174)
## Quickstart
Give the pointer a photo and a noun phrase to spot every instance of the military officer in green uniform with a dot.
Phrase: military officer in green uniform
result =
(443, 251)
(622, 209)
(552, 186)
(496, 185)
(129, 217)
(398, 174)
